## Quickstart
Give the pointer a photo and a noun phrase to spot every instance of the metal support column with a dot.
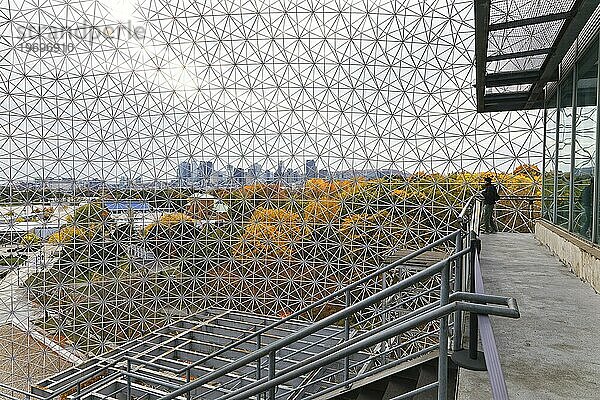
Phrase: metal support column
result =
(188, 378)
(129, 380)
(543, 210)
(471, 358)
(556, 137)
(596, 172)
(258, 362)
(457, 326)
(347, 337)
(570, 224)
(443, 358)
(272, 373)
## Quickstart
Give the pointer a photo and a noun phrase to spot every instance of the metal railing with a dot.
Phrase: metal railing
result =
(369, 316)
(517, 213)
(370, 334)
(479, 324)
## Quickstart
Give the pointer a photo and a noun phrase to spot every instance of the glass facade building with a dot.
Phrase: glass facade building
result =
(571, 148)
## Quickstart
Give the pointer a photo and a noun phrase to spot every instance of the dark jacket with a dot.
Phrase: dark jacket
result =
(490, 194)
(586, 196)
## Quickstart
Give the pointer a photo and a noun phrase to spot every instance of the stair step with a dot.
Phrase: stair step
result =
(427, 374)
(397, 386)
(369, 394)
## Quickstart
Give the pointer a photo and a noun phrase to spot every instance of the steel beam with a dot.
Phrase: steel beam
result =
(482, 21)
(582, 11)
(531, 21)
(518, 54)
(512, 78)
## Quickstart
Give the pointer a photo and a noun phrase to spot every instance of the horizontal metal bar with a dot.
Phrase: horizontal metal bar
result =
(16, 390)
(89, 389)
(509, 78)
(346, 349)
(325, 299)
(150, 379)
(151, 364)
(511, 106)
(325, 322)
(530, 21)
(412, 393)
(518, 54)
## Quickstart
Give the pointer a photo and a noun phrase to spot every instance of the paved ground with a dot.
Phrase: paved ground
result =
(553, 350)
(14, 304)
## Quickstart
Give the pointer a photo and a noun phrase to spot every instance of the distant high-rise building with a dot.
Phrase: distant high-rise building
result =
(280, 171)
(324, 174)
(291, 176)
(310, 169)
(238, 177)
(204, 171)
(184, 172)
(254, 172)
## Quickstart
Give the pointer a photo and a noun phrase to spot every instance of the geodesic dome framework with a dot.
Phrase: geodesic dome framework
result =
(326, 135)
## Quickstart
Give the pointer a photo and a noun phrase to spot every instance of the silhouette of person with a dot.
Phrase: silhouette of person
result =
(586, 202)
(490, 197)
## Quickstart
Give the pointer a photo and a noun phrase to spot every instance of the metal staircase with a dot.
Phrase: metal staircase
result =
(160, 355)
(406, 381)
(386, 336)
(194, 338)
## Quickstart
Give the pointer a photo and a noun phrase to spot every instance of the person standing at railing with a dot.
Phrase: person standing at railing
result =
(490, 197)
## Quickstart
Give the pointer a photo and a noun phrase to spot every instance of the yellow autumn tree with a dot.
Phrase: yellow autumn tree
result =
(322, 211)
(70, 234)
(168, 220)
(270, 233)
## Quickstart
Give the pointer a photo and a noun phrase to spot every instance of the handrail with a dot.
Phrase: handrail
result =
(325, 322)
(488, 342)
(466, 208)
(467, 302)
(111, 363)
(480, 325)
(323, 300)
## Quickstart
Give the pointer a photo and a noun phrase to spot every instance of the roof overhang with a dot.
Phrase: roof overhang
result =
(518, 51)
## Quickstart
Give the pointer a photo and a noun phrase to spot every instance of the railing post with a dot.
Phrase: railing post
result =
(272, 373)
(258, 362)
(128, 380)
(458, 272)
(188, 378)
(471, 358)
(347, 337)
(531, 224)
(473, 324)
(385, 316)
(443, 338)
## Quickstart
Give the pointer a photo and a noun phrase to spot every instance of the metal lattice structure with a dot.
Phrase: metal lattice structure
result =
(162, 157)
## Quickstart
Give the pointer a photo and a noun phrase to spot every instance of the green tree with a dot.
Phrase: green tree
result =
(91, 213)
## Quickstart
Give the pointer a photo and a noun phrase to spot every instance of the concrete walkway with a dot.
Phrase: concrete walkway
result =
(553, 350)
(15, 306)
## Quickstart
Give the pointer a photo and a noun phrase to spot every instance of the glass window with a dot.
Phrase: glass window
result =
(549, 160)
(565, 137)
(585, 142)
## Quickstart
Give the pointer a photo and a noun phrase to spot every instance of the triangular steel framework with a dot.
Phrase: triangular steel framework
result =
(122, 97)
